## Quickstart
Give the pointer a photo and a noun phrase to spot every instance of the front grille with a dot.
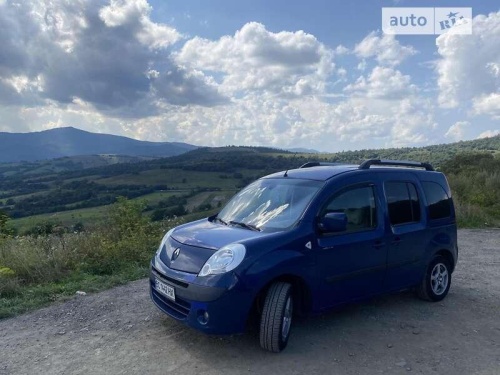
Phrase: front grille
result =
(168, 279)
(179, 308)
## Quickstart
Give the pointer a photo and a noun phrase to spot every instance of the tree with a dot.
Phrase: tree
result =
(126, 216)
(5, 231)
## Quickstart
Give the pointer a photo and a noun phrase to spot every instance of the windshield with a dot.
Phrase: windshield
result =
(270, 203)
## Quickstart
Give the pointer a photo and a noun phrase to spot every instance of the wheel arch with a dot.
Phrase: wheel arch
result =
(445, 253)
(301, 293)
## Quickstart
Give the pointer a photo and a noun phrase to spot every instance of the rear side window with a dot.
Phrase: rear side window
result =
(403, 203)
(437, 199)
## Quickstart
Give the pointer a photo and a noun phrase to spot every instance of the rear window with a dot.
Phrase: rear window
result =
(403, 203)
(438, 201)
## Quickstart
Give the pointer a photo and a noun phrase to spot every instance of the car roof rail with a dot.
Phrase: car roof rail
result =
(397, 163)
(318, 164)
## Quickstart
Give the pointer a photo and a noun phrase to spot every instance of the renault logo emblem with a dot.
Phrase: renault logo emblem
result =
(175, 254)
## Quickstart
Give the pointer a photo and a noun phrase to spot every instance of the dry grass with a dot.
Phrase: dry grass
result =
(119, 251)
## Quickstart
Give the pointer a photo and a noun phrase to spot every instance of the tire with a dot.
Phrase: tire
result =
(437, 280)
(276, 318)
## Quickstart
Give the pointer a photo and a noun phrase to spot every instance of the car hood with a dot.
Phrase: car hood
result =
(197, 241)
(210, 235)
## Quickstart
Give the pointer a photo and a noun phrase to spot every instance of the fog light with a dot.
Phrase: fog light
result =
(203, 317)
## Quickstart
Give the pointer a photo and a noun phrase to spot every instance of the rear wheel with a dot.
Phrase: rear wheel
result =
(276, 318)
(437, 280)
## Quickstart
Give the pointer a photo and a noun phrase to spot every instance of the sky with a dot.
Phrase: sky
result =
(316, 74)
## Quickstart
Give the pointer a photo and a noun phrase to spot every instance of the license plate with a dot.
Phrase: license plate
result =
(167, 290)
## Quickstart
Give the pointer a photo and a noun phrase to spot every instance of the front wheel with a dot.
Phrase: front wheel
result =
(437, 280)
(276, 318)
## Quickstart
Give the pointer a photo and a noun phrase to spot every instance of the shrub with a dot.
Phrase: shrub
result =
(5, 230)
(471, 216)
(129, 237)
(475, 182)
(128, 241)
(38, 259)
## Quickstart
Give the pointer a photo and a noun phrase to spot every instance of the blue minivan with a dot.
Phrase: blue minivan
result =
(306, 240)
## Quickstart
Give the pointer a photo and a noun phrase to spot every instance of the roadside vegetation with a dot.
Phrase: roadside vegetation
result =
(97, 239)
(38, 269)
(474, 179)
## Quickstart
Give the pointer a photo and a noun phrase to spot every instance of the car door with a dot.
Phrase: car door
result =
(352, 263)
(405, 230)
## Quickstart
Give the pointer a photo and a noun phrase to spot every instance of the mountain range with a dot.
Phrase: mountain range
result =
(69, 141)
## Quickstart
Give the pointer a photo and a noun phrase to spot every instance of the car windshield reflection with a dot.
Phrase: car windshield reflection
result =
(270, 204)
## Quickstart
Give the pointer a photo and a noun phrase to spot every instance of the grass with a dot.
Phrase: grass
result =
(92, 216)
(154, 198)
(473, 216)
(35, 271)
(33, 297)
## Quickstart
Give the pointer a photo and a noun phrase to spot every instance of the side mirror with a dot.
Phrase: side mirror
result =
(333, 222)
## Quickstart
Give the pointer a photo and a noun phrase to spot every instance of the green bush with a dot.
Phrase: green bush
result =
(5, 230)
(125, 244)
(472, 216)
(475, 183)
(9, 284)
(41, 268)
(128, 238)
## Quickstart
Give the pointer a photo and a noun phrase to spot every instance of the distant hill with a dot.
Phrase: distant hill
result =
(62, 142)
(70, 184)
(303, 150)
(435, 154)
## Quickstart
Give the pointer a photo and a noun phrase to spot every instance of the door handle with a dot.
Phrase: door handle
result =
(378, 244)
(396, 241)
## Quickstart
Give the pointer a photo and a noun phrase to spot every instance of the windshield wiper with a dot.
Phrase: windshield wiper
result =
(220, 220)
(245, 225)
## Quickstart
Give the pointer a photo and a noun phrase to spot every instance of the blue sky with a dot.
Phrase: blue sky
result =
(316, 74)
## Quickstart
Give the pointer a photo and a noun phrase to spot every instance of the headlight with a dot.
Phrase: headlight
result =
(224, 260)
(163, 241)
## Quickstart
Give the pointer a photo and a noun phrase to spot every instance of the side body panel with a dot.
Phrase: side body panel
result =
(350, 265)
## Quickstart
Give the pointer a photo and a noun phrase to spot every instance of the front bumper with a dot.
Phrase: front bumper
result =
(226, 301)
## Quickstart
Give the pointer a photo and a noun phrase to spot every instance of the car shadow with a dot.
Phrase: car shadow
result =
(396, 311)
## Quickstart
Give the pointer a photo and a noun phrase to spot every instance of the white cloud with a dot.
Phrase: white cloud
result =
(488, 134)
(341, 50)
(487, 105)
(385, 49)
(362, 65)
(108, 67)
(121, 12)
(469, 64)
(494, 68)
(383, 83)
(260, 119)
(456, 131)
(128, 12)
(257, 59)
(255, 119)
(23, 83)
(61, 51)
(259, 64)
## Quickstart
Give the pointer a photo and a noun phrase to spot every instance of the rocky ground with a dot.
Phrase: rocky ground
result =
(119, 331)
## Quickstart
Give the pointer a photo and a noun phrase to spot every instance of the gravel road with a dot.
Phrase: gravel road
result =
(119, 331)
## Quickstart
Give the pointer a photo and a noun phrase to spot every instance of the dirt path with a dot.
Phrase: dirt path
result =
(119, 331)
